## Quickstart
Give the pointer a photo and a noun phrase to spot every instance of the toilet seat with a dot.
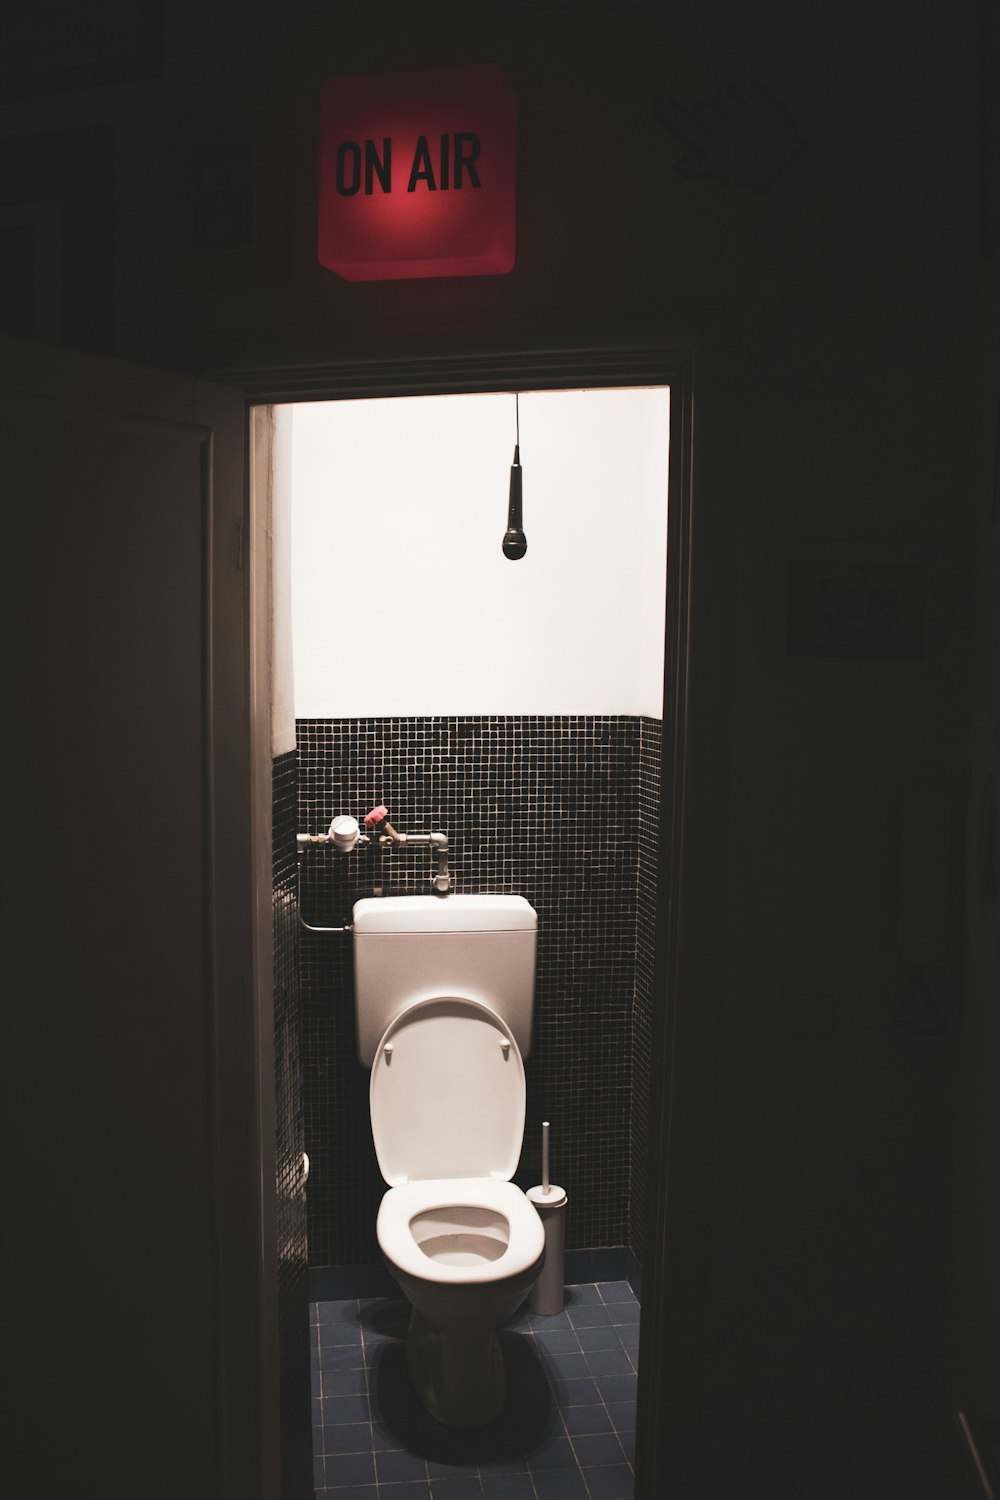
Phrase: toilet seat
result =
(447, 1094)
(401, 1205)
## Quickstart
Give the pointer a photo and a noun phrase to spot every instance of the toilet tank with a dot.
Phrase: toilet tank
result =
(409, 948)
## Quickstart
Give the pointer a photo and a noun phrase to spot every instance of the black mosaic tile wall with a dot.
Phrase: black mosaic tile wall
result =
(650, 742)
(545, 807)
(293, 1261)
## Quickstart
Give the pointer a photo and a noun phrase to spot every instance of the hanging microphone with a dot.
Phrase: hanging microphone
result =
(514, 543)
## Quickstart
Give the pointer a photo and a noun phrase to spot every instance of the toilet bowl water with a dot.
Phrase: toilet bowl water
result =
(461, 1236)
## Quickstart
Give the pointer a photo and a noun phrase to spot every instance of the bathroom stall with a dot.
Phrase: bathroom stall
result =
(515, 705)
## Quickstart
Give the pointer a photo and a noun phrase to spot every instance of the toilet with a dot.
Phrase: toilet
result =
(444, 993)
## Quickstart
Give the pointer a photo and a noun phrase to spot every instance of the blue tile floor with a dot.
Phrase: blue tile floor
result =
(566, 1433)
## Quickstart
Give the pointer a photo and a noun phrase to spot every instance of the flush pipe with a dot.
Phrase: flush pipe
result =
(437, 843)
(377, 822)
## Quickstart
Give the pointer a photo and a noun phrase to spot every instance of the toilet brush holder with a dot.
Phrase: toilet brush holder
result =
(548, 1293)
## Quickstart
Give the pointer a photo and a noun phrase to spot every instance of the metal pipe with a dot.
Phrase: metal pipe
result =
(308, 927)
(308, 840)
(417, 840)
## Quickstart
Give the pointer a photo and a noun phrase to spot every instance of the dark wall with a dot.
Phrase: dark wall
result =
(978, 1144)
(546, 807)
(797, 192)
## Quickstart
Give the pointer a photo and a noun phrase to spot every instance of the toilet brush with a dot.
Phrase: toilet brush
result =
(550, 1202)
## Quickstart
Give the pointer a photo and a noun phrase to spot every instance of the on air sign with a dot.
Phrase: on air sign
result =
(416, 175)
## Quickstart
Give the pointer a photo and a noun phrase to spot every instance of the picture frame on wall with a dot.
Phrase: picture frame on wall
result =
(851, 602)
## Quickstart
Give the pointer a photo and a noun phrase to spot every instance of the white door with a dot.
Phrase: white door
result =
(132, 1176)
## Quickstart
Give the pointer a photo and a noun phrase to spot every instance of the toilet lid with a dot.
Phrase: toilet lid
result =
(447, 1097)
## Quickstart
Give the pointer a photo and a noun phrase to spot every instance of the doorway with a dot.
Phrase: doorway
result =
(464, 738)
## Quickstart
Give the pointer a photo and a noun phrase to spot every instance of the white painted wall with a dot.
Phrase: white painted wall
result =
(402, 601)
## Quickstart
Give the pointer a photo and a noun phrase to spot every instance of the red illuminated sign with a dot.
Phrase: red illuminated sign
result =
(416, 175)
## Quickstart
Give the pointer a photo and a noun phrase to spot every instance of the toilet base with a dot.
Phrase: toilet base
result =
(459, 1378)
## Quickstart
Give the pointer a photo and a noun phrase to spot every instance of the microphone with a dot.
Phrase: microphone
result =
(514, 543)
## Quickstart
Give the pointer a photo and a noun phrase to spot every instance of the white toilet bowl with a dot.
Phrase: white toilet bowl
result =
(465, 1252)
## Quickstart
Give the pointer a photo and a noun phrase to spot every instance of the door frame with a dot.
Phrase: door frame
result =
(673, 1281)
